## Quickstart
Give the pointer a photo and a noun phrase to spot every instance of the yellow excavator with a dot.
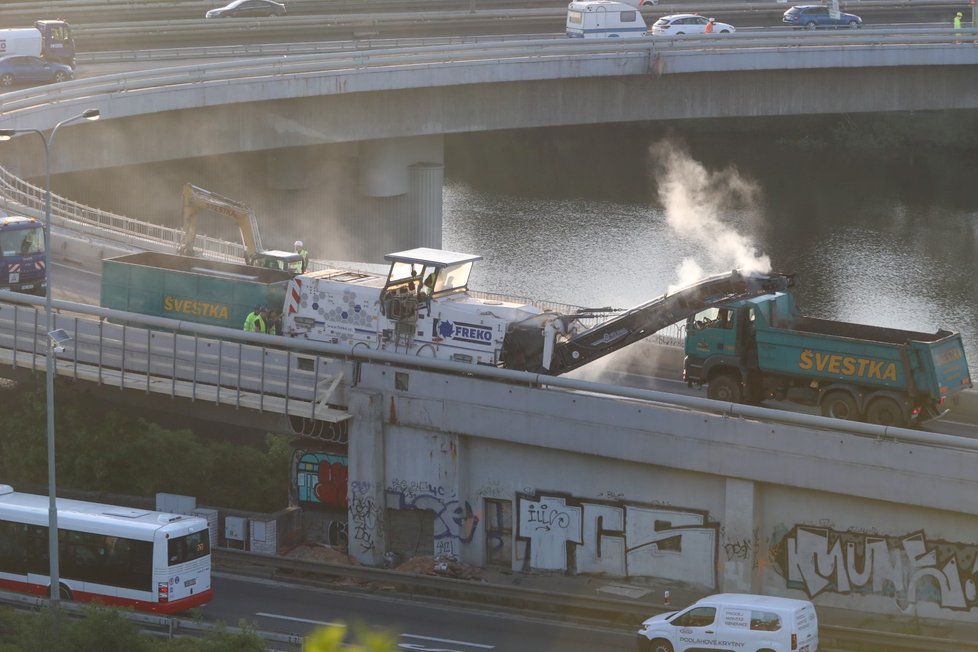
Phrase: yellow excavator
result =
(196, 198)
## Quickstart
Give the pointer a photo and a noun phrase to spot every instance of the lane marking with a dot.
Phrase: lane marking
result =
(300, 620)
(448, 640)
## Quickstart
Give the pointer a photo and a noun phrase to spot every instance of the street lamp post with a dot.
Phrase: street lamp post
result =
(7, 134)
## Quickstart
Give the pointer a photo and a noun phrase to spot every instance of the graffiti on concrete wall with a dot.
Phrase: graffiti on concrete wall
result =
(366, 526)
(619, 538)
(320, 478)
(742, 548)
(455, 520)
(909, 568)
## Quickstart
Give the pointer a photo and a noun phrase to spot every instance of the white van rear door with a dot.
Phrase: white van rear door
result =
(806, 626)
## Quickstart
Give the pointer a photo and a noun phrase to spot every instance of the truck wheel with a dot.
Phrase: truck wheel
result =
(725, 387)
(885, 412)
(661, 645)
(840, 405)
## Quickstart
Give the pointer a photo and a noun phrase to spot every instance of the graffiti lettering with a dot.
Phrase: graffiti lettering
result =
(367, 519)
(908, 568)
(320, 479)
(618, 539)
(455, 522)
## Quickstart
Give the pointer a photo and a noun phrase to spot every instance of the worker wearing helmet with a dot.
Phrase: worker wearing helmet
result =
(709, 26)
(299, 249)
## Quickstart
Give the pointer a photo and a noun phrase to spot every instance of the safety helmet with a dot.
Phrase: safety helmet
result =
(298, 243)
(713, 20)
(959, 14)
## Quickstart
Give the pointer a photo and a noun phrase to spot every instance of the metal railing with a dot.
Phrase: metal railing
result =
(284, 375)
(209, 364)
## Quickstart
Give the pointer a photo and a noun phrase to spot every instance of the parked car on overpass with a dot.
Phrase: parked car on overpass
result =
(679, 24)
(818, 16)
(25, 69)
(248, 8)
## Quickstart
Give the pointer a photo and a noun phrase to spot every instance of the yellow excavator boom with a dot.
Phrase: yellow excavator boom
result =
(195, 198)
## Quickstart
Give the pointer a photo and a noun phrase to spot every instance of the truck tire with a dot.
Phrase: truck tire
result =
(725, 387)
(884, 411)
(840, 405)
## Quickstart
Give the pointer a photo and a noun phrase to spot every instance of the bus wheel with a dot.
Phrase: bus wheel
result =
(725, 387)
(65, 593)
(885, 412)
(840, 405)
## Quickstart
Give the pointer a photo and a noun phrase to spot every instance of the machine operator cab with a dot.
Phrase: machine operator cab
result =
(419, 275)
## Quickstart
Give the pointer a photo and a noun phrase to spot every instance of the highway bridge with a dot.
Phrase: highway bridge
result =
(547, 474)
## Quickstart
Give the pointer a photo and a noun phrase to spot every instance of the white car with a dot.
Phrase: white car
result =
(678, 24)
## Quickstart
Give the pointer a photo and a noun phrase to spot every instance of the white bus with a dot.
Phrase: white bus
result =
(151, 561)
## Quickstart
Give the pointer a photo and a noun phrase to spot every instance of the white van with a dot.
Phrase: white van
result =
(604, 19)
(734, 621)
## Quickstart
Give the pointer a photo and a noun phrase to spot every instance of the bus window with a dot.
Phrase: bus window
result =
(189, 547)
(13, 539)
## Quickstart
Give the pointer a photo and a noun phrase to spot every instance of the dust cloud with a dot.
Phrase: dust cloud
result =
(695, 201)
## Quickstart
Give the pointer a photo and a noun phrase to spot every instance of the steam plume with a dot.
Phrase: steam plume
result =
(695, 201)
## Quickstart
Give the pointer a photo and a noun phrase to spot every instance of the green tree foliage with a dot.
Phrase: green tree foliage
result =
(110, 452)
(101, 629)
(330, 639)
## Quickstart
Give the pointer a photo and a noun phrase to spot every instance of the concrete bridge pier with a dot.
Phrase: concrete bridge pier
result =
(739, 545)
(383, 195)
(365, 502)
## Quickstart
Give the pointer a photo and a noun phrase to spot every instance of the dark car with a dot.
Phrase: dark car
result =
(248, 8)
(24, 69)
(818, 16)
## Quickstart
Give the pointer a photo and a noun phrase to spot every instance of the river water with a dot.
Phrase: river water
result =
(879, 231)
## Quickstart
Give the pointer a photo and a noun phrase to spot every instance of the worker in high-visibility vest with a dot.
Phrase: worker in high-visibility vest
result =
(255, 321)
(299, 249)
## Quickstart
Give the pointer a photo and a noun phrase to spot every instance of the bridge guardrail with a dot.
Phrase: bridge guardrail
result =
(14, 105)
(227, 366)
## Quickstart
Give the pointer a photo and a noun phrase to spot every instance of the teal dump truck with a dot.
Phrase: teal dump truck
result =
(190, 289)
(761, 348)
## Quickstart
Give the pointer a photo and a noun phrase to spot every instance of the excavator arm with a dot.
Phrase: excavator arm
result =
(524, 349)
(195, 198)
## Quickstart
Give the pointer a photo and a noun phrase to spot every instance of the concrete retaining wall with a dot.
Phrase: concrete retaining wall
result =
(545, 481)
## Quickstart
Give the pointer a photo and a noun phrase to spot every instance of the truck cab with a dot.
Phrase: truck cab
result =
(283, 261)
(722, 337)
(22, 247)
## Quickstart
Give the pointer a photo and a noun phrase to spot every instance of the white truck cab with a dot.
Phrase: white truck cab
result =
(604, 19)
(734, 621)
